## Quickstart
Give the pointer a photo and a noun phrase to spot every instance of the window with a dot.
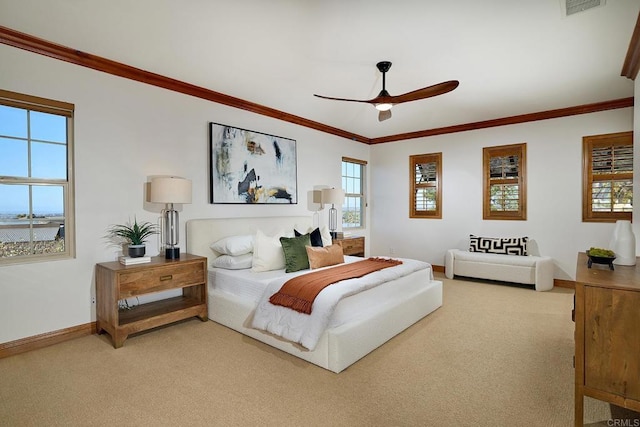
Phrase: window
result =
(504, 182)
(607, 171)
(353, 184)
(425, 177)
(36, 179)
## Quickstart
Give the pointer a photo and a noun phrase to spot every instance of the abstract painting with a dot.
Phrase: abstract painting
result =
(251, 167)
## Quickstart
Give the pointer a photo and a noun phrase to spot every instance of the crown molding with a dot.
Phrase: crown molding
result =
(63, 53)
(512, 120)
(43, 47)
(632, 60)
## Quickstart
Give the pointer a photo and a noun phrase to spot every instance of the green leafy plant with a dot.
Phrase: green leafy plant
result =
(600, 252)
(134, 234)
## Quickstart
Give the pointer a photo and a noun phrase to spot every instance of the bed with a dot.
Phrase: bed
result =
(341, 344)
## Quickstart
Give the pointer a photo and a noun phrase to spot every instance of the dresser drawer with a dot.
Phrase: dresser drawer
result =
(144, 281)
(352, 245)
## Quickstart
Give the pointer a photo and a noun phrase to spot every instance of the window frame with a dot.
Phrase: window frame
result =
(362, 195)
(65, 109)
(519, 150)
(588, 144)
(414, 160)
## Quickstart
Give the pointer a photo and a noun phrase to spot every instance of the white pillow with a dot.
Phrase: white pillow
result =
(326, 236)
(229, 262)
(267, 252)
(234, 245)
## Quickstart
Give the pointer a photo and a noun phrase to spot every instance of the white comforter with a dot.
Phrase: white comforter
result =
(306, 329)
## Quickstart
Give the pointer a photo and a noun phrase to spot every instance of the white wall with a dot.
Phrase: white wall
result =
(126, 132)
(554, 187)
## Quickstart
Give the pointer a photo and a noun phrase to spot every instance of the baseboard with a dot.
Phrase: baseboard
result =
(561, 283)
(44, 340)
(438, 268)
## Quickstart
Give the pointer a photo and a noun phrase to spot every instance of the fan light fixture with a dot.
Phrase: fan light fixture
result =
(384, 107)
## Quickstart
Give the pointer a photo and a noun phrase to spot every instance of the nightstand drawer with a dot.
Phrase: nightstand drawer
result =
(160, 278)
(351, 245)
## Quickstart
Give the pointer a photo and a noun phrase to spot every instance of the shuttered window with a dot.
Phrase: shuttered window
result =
(607, 193)
(425, 177)
(504, 177)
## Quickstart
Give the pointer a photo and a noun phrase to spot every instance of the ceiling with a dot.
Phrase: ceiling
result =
(511, 57)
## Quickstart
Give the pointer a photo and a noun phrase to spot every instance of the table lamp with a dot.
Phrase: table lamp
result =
(170, 190)
(333, 196)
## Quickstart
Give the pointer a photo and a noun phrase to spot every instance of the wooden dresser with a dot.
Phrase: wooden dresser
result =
(607, 316)
(115, 282)
(351, 245)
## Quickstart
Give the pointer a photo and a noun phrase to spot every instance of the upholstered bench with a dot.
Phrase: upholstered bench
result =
(528, 269)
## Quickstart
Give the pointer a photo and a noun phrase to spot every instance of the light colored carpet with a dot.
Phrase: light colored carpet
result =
(493, 355)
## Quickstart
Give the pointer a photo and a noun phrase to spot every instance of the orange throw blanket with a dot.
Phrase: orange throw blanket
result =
(300, 292)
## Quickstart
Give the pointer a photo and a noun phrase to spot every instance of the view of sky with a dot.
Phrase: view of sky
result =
(32, 144)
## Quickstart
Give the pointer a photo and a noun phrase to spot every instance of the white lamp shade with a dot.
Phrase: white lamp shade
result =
(314, 201)
(332, 196)
(170, 189)
(317, 196)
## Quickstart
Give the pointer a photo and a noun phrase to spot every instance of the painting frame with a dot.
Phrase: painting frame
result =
(251, 167)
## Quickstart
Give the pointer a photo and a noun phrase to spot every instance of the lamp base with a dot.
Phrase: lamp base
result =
(334, 234)
(172, 253)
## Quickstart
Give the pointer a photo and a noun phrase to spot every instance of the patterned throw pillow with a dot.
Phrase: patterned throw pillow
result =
(498, 245)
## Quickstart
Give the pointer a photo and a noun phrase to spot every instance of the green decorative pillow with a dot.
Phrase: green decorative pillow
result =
(295, 252)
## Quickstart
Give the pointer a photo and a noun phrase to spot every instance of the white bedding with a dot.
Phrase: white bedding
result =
(250, 285)
(307, 329)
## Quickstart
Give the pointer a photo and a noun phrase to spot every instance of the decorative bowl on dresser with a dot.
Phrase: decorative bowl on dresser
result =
(597, 259)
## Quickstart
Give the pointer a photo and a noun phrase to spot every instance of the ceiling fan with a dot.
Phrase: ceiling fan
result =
(384, 101)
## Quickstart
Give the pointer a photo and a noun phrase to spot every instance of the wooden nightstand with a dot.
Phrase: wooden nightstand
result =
(351, 245)
(115, 282)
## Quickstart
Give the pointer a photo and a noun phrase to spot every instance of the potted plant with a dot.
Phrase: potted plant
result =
(135, 235)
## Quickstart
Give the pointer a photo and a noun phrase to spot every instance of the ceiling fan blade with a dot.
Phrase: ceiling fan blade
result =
(341, 99)
(426, 92)
(384, 101)
(384, 115)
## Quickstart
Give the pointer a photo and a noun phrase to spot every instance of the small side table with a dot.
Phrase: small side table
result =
(115, 282)
(351, 245)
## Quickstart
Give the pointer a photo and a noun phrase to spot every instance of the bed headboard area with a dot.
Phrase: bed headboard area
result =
(201, 233)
